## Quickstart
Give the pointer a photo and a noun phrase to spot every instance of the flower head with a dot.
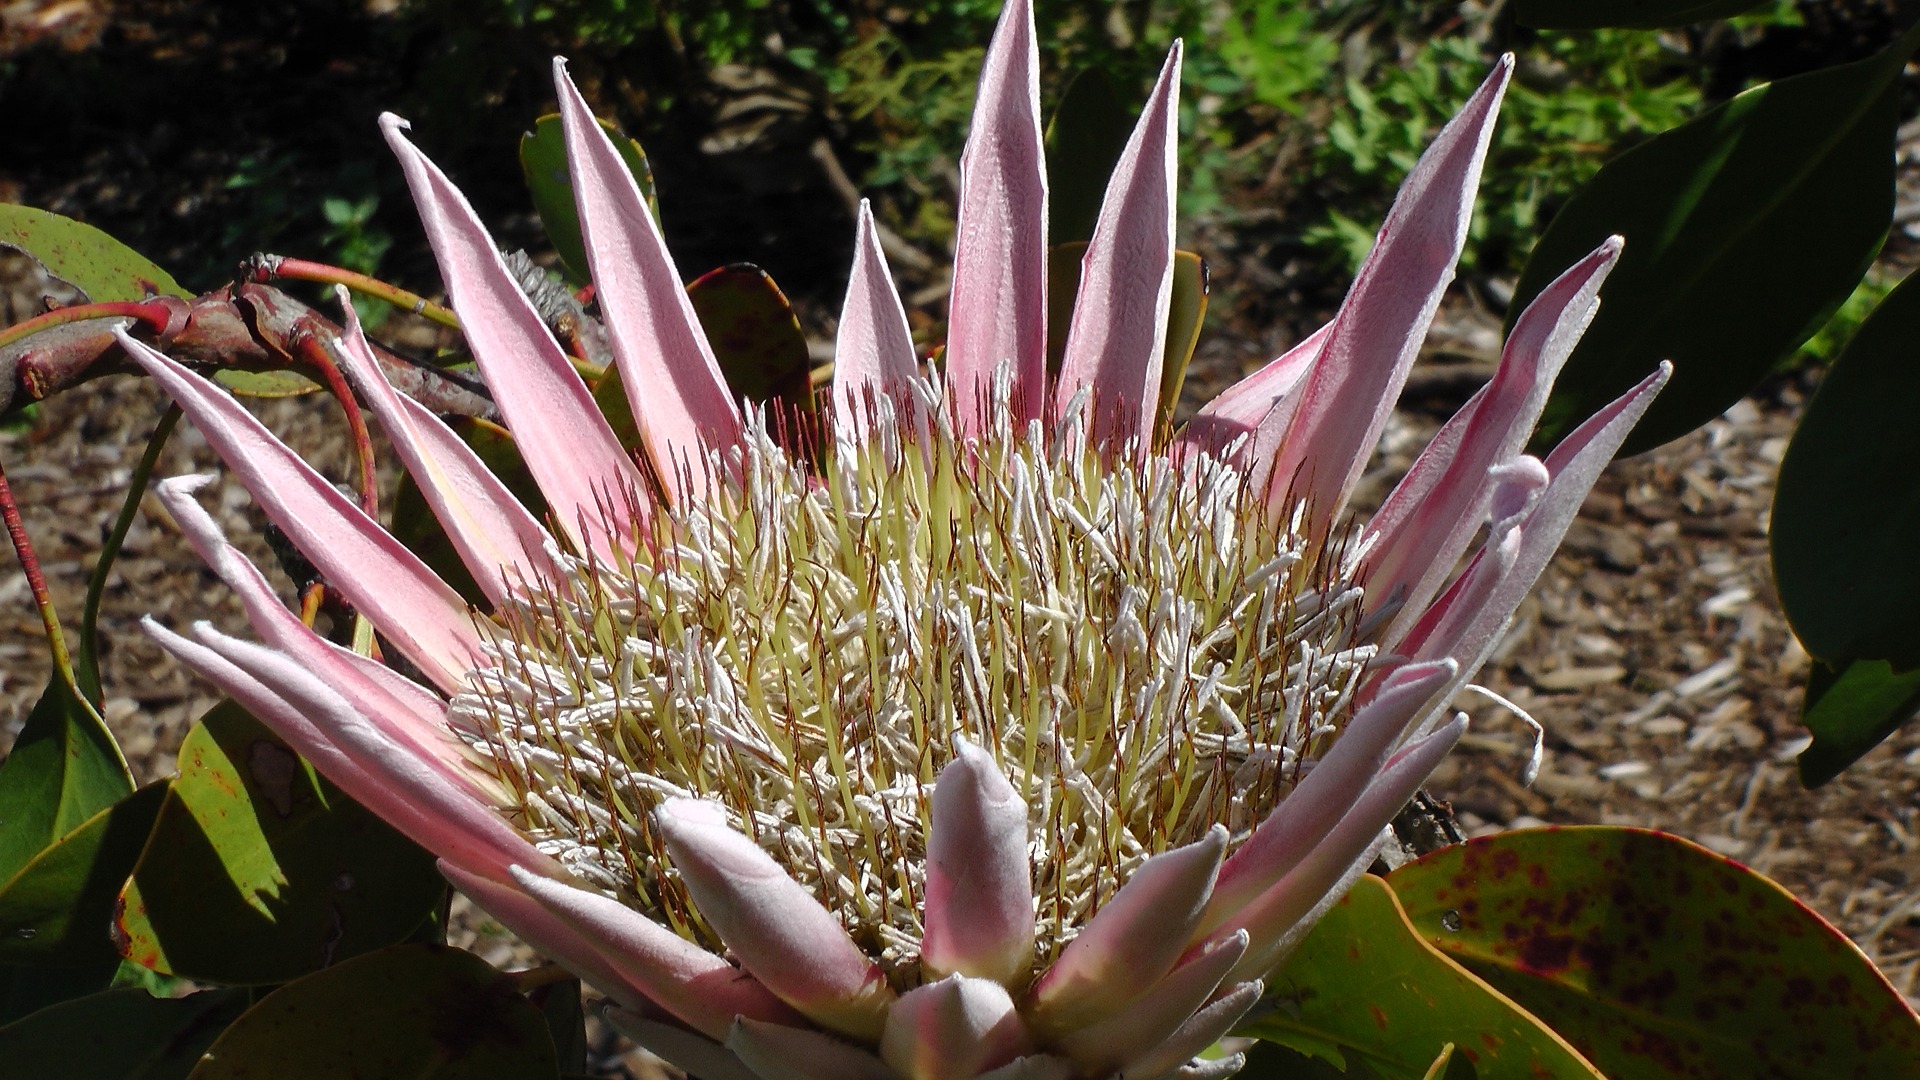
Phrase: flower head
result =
(1015, 737)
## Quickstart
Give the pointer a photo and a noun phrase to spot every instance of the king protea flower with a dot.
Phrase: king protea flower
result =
(1015, 738)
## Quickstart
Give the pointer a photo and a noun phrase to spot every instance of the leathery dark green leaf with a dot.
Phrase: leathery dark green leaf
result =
(1084, 140)
(1850, 712)
(1367, 989)
(1626, 14)
(1745, 229)
(1846, 515)
(123, 1034)
(424, 1012)
(260, 871)
(1657, 958)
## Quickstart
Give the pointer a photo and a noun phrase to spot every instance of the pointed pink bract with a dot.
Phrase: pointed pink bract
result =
(998, 310)
(680, 399)
(1117, 342)
(1432, 513)
(781, 934)
(873, 353)
(407, 601)
(979, 893)
(566, 443)
(1375, 337)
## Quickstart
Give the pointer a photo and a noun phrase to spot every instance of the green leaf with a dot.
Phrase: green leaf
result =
(59, 907)
(26, 989)
(424, 1012)
(755, 336)
(265, 384)
(1063, 289)
(1851, 712)
(1191, 284)
(1657, 958)
(119, 1035)
(415, 526)
(543, 161)
(260, 871)
(1745, 228)
(1271, 1061)
(1366, 989)
(107, 270)
(64, 769)
(1846, 516)
(1084, 140)
(1626, 14)
(559, 1003)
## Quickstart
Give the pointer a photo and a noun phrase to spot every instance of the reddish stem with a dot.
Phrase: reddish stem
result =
(36, 581)
(264, 267)
(158, 313)
(313, 350)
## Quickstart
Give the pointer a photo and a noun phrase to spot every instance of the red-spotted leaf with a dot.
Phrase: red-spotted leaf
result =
(423, 1012)
(107, 270)
(1657, 958)
(260, 871)
(1366, 990)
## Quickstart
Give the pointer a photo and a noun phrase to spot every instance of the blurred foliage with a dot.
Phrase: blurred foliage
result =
(1319, 106)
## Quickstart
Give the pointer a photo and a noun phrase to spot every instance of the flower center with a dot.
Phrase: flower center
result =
(1140, 649)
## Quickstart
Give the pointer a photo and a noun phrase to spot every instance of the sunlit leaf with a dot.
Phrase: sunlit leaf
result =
(265, 384)
(1627, 14)
(260, 871)
(1366, 988)
(543, 160)
(64, 769)
(1745, 229)
(1657, 958)
(125, 1034)
(1185, 315)
(59, 907)
(107, 270)
(424, 1012)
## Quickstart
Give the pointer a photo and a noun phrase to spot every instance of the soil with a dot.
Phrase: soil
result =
(1653, 652)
